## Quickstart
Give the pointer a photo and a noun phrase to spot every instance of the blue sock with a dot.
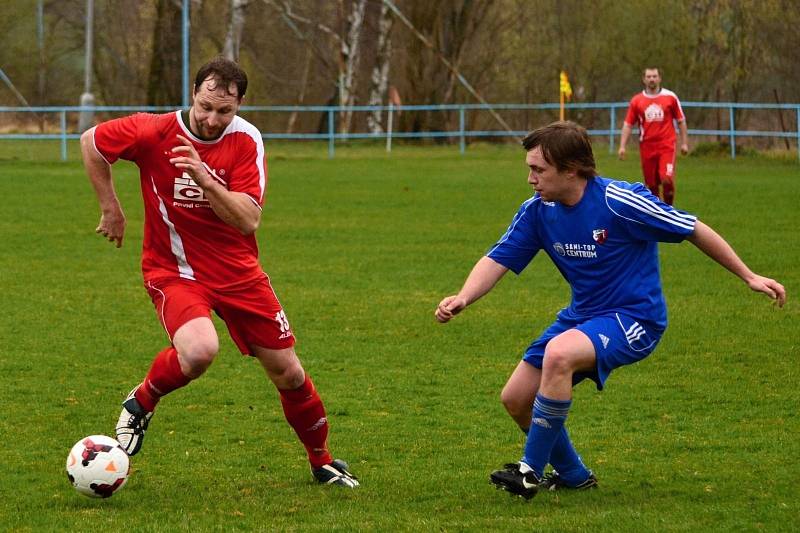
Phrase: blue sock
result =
(548, 419)
(566, 460)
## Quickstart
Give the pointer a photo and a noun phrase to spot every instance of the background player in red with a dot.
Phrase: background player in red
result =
(203, 180)
(653, 111)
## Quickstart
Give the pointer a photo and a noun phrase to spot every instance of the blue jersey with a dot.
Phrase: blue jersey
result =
(605, 246)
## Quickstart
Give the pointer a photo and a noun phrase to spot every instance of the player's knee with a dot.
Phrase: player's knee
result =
(288, 377)
(199, 355)
(557, 359)
(514, 403)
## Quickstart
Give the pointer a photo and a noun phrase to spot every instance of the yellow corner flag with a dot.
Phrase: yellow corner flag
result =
(565, 91)
(566, 88)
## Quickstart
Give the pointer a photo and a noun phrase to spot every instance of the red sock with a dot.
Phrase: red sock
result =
(669, 193)
(165, 376)
(306, 414)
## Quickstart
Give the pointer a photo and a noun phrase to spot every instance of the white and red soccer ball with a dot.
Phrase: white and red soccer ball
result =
(97, 466)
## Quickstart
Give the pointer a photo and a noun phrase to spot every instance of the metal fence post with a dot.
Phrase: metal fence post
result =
(331, 134)
(462, 141)
(732, 132)
(63, 135)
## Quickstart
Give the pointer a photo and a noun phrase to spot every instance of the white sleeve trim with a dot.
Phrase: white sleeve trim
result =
(240, 124)
(683, 221)
(94, 144)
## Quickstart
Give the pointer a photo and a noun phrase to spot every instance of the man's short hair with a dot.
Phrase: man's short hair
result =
(224, 72)
(565, 145)
(651, 68)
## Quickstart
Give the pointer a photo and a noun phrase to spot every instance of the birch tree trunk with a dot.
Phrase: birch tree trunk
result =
(349, 60)
(234, 37)
(380, 73)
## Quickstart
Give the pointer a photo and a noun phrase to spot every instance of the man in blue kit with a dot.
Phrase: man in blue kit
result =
(602, 236)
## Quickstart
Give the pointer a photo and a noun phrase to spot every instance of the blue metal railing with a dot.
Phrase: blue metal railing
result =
(462, 134)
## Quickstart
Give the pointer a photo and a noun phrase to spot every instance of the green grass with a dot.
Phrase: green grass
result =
(702, 435)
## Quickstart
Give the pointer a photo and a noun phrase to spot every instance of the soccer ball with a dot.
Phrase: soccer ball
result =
(97, 466)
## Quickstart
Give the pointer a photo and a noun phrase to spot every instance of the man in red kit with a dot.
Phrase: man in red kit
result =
(203, 180)
(653, 110)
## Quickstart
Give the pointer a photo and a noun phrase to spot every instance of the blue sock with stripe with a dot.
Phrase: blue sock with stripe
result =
(566, 461)
(548, 419)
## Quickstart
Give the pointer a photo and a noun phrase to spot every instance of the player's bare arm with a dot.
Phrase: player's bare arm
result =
(623, 141)
(112, 219)
(684, 136)
(718, 249)
(235, 208)
(485, 274)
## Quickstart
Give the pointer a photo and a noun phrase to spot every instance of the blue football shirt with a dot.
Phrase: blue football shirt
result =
(605, 246)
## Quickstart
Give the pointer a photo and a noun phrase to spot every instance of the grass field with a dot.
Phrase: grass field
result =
(701, 436)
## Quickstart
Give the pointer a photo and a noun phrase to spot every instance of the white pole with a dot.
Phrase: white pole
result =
(87, 74)
(86, 118)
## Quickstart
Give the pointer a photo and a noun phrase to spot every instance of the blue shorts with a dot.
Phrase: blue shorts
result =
(618, 340)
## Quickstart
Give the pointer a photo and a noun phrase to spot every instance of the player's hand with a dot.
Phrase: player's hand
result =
(190, 162)
(112, 227)
(621, 153)
(684, 149)
(449, 307)
(770, 287)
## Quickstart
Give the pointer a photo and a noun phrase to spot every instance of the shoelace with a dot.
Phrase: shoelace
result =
(137, 422)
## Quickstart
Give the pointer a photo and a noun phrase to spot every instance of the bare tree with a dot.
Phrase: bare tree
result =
(306, 52)
(345, 41)
(234, 37)
(314, 32)
(302, 93)
(350, 55)
(164, 82)
(380, 72)
(441, 33)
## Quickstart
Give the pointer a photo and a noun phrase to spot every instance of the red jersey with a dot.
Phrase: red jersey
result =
(183, 237)
(654, 113)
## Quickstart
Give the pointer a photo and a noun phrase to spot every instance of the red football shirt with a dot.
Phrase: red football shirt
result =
(654, 113)
(183, 237)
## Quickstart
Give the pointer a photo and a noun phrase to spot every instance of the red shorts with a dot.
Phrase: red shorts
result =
(253, 314)
(658, 165)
